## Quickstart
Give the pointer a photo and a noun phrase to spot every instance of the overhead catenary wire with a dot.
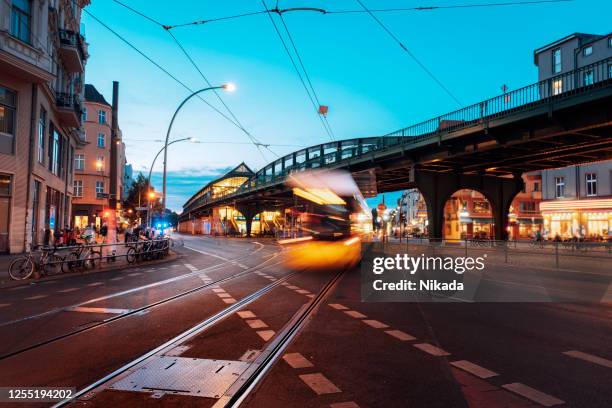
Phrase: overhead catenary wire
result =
(297, 71)
(254, 141)
(414, 58)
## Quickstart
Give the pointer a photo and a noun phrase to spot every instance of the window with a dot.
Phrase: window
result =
(84, 114)
(591, 184)
(609, 71)
(587, 51)
(527, 206)
(21, 15)
(79, 162)
(55, 152)
(42, 131)
(78, 188)
(100, 163)
(557, 86)
(101, 139)
(610, 42)
(99, 187)
(35, 211)
(556, 62)
(559, 187)
(5, 210)
(588, 78)
(101, 117)
(8, 103)
(536, 186)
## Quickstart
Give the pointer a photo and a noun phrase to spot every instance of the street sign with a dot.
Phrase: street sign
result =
(102, 195)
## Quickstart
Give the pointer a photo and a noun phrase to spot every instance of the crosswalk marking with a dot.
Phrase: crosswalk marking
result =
(431, 349)
(218, 290)
(265, 334)
(533, 394)
(246, 314)
(256, 324)
(347, 404)
(375, 324)
(355, 314)
(475, 369)
(224, 295)
(296, 360)
(338, 306)
(398, 334)
(302, 291)
(319, 383)
(229, 301)
(589, 357)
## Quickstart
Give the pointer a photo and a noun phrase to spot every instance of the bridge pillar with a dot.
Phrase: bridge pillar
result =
(249, 212)
(437, 188)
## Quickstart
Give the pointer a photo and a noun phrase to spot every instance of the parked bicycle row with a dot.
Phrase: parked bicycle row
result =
(43, 261)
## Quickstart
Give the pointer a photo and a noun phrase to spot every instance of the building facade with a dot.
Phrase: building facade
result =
(92, 163)
(577, 201)
(42, 64)
(128, 180)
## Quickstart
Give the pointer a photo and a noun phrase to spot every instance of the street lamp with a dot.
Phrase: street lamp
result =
(230, 87)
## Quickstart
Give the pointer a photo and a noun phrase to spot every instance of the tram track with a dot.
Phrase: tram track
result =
(249, 380)
(147, 307)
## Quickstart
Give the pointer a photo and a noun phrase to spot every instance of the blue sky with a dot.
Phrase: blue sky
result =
(370, 85)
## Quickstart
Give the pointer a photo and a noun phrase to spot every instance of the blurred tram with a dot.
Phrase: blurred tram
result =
(332, 219)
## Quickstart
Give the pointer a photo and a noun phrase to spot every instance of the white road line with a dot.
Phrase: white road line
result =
(256, 324)
(98, 310)
(135, 274)
(302, 291)
(95, 284)
(375, 324)
(355, 314)
(398, 334)
(533, 394)
(246, 314)
(229, 301)
(218, 290)
(265, 334)
(311, 296)
(589, 357)
(347, 404)
(36, 297)
(224, 295)
(207, 253)
(117, 278)
(296, 360)
(319, 383)
(68, 290)
(293, 287)
(431, 349)
(475, 369)
(338, 306)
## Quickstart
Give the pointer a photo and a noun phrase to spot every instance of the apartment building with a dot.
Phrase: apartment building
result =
(42, 64)
(92, 200)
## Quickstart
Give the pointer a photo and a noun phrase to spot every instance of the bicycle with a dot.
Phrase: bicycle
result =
(84, 257)
(48, 263)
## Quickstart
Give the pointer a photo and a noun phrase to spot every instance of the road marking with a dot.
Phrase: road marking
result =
(95, 284)
(68, 290)
(338, 306)
(303, 291)
(207, 253)
(272, 279)
(36, 297)
(246, 314)
(117, 278)
(256, 324)
(218, 290)
(285, 284)
(265, 334)
(98, 310)
(475, 369)
(243, 266)
(224, 295)
(293, 287)
(375, 324)
(311, 296)
(533, 394)
(348, 404)
(4, 304)
(398, 334)
(229, 300)
(355, 314)
(135, 274)
(589, 357)
(431, 349)
(19, 287)
(319, 383)
(296, 360)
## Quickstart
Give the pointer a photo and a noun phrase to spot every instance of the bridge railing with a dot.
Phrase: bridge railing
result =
(584, 79)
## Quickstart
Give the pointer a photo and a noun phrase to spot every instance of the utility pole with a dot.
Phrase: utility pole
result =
(114, 159)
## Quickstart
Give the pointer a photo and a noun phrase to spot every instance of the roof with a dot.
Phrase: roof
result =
(583, 38)
(241, 170)
(92, 95)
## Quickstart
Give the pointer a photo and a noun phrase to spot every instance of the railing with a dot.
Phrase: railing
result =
(70, 101)
(72, 39)
(597, 75)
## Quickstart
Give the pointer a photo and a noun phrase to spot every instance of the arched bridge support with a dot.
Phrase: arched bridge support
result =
(437, 188)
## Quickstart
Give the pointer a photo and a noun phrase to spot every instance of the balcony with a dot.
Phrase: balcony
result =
(69, 109)
(71, 51)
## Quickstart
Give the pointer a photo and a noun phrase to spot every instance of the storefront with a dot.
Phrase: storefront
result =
(589, 219)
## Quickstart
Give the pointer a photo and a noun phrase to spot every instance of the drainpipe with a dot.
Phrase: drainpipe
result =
(30, 162)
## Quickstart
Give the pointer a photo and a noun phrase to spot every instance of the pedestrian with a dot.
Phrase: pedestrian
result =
(104, 232)
(128, 233)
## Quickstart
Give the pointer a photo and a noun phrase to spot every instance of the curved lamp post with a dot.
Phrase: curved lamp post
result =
(229, 87)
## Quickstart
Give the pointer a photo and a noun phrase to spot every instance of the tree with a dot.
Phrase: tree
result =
(138, 195)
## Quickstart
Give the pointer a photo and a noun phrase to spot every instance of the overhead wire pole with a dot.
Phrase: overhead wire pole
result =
(254, 141)
(414, 58)
(296, 69)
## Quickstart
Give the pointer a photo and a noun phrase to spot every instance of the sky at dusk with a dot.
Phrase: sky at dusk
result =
(371, 86)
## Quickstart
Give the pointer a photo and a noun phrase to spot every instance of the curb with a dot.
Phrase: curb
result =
(172, 256)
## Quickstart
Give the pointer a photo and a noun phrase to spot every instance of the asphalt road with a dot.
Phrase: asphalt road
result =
(346, 353)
